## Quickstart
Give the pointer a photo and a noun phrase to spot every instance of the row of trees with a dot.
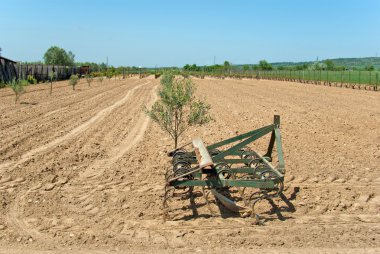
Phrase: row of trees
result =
(264, 65)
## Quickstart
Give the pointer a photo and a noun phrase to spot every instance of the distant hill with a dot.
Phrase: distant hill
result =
(359, 63)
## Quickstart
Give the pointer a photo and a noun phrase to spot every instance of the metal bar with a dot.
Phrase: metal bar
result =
(194, 170)
(267, 163)
(272, 138)
(237, 138)
(240, 145)
(213, 183)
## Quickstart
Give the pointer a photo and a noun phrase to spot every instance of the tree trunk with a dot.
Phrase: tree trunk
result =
(175, 142)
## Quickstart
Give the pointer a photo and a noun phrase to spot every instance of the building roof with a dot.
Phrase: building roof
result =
(6, 59)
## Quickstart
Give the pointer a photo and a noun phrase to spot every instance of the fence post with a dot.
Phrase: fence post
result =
(349, 76)
(327, 76)
(377, 80)
(341, 78)
(359, 78)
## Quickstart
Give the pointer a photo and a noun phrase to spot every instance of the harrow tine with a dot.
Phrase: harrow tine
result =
(228, 203)
(205, 196)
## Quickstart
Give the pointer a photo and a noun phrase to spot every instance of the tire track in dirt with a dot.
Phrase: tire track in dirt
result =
(72, 98)
(74, 132)
(14, 219)
(92, 176)
(72, 115)
(14, 216)
(133, 137)
(118, 125)
(212, 224)
(85, 187)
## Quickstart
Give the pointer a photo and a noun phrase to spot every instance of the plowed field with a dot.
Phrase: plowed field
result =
(84, 170)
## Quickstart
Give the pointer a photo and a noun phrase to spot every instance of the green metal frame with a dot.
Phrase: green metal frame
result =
(228, 156)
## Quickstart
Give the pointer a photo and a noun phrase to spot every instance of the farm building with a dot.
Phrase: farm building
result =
(8, 69)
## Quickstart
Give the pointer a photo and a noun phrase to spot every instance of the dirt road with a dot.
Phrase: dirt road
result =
(83, 170)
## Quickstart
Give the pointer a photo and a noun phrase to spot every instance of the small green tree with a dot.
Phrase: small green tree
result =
(100, 79)
(18, 88)
(245, 67)
(177, 108)
(89, 79)
(73, 81)
(52, 78)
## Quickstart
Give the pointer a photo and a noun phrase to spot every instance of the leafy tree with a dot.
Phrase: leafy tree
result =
(264, 65)
(177, 108)
(226, 65)
(192, 67)
(255, 67)
(73, 81)
(58, 56)
(245, 67)
(301, 67)
(186, 67)
(369, 68)
(330, 66)
(18, 87)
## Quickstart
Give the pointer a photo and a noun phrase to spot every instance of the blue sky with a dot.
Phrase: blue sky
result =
(173, 33)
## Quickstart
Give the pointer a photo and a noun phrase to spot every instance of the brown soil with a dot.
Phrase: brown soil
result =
(84, 170)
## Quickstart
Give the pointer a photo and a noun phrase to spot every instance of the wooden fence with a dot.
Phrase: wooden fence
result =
(10, 70)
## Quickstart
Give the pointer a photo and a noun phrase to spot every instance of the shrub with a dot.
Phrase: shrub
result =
(73, 81)
(89, 79)
(100, 79)
(31, 79)
(109, 74)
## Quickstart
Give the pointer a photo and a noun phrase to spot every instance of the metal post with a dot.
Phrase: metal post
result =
(359, 77)
(327, 76)
(349, 76)
(341, 79)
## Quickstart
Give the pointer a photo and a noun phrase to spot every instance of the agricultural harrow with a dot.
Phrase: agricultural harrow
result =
(237, 176)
